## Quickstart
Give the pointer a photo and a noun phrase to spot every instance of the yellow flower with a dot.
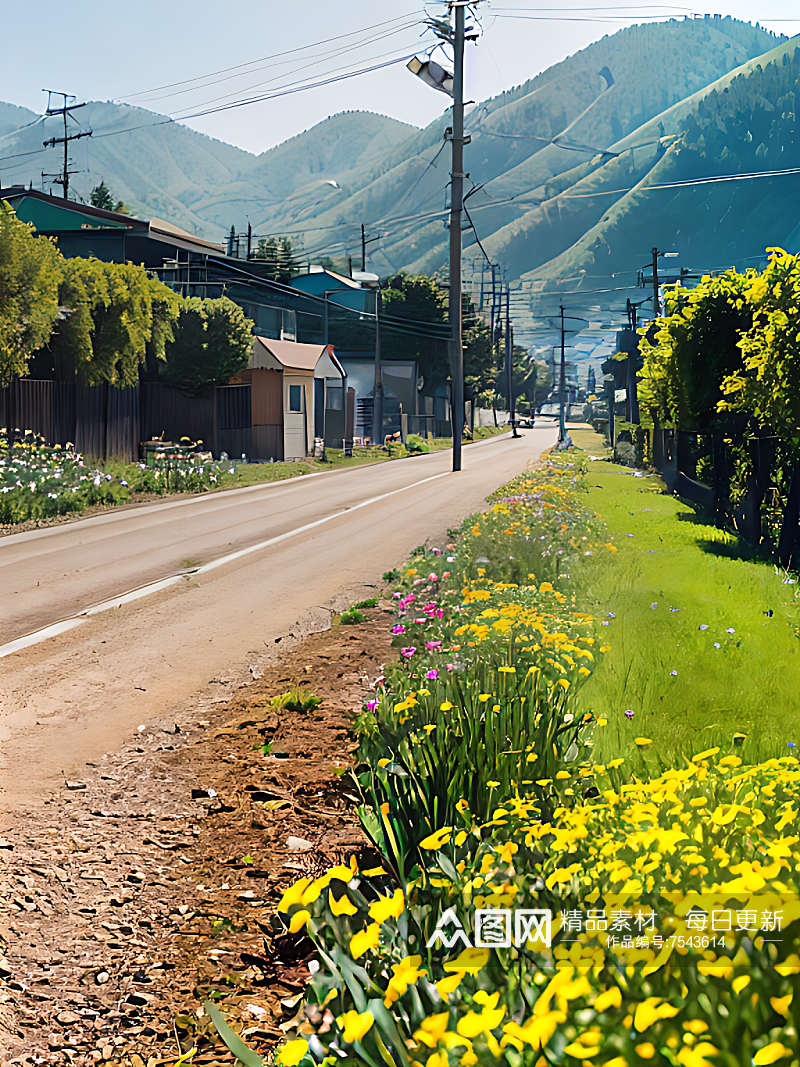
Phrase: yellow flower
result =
(299, 920)
(470, 961)
(646, 1050)
(642, 741)
(342, 906)
(437, 839)
(290, 1054)
(537, 1031)
(462, 807)
(355, 1026)
(472, 1024)
(507, 670)
(601, 722)
(446, 986)
(388, 907)
(780, 1004)
(294, 894)
(365, 940)
(610, 998)
(432, 1030)
(384, 762)
(406, 973)
(650, 1010)
(483, 697)
(771, 1053)
(446, 706)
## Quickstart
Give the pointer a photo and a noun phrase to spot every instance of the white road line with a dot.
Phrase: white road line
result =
(40, 635)
(163, 583)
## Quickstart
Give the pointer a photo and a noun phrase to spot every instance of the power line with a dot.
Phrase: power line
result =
(298, 89)
(264, 59)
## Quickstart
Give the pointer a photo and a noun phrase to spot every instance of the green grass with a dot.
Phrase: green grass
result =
(696, 575)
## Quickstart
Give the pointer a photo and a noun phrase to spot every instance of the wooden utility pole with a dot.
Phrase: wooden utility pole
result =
(656, 306)
(456, 210)
(562, 420)
(63, 179)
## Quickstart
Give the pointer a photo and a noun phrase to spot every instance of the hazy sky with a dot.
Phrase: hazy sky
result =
(178, 57)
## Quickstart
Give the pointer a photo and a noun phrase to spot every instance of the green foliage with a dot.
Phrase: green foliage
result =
(212, 340)
(351, 616)
(768, 384)
(110, 319)
(278, 255)
(101, 197)
(696, 346)
(416, 444)
(29, 275)
(372, 602)
(298, 699)
(38, 481)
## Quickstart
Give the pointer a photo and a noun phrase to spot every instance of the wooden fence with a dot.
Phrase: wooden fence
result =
(103, 422)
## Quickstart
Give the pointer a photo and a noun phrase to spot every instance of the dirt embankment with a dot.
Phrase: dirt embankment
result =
(150, 885)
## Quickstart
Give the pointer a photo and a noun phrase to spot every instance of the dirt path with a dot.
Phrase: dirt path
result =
(124, 902)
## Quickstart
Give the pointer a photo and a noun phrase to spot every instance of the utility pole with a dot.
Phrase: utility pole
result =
(377, 389)
(456, 209)
(512, 417)
(562, 422)
(63, 180)
(655, 284)
(249, 241)
(364, 242)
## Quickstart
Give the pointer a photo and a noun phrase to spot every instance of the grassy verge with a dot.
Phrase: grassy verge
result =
(703, 638)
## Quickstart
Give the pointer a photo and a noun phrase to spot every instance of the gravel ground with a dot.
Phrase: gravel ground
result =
(150, 885)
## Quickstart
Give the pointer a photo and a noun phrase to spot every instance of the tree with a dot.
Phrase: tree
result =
(113, 312)
(101, 197)
(767, 381)
(695, 347)
(278, 254)
(30, 267)
(212, 341)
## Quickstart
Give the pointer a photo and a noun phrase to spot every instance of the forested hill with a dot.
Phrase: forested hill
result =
(567, 164)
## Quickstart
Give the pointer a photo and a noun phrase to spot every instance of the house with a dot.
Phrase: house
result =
(289, 395)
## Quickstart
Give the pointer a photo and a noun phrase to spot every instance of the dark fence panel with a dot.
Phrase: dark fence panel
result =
(167, 413)
(122, 423)
(103, 422)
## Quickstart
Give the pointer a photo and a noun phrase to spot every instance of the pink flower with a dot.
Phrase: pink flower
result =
(398, 629)
(407, 653)
(410, 598)
(418, 581)
(433, 646)
(450, 666)
(436, 551)
(371, 705)
(432, 675)
(629, 714)
(396, 596)
(433, 577)
(439, 613)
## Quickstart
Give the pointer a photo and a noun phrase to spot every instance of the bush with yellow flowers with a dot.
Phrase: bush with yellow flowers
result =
(674, 931)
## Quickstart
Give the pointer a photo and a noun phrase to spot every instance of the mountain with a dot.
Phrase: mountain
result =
(525, 140)
(564, 170)
(159, 167)
(603, 222)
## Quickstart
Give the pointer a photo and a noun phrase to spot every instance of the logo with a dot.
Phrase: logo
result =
(496, 928)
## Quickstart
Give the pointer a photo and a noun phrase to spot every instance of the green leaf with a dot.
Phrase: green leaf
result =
(249, 1057)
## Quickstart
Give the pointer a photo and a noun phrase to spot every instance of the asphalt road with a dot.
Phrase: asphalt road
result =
(234, 572)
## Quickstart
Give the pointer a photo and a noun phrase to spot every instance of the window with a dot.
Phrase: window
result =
(334, 393)
(295, 398)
